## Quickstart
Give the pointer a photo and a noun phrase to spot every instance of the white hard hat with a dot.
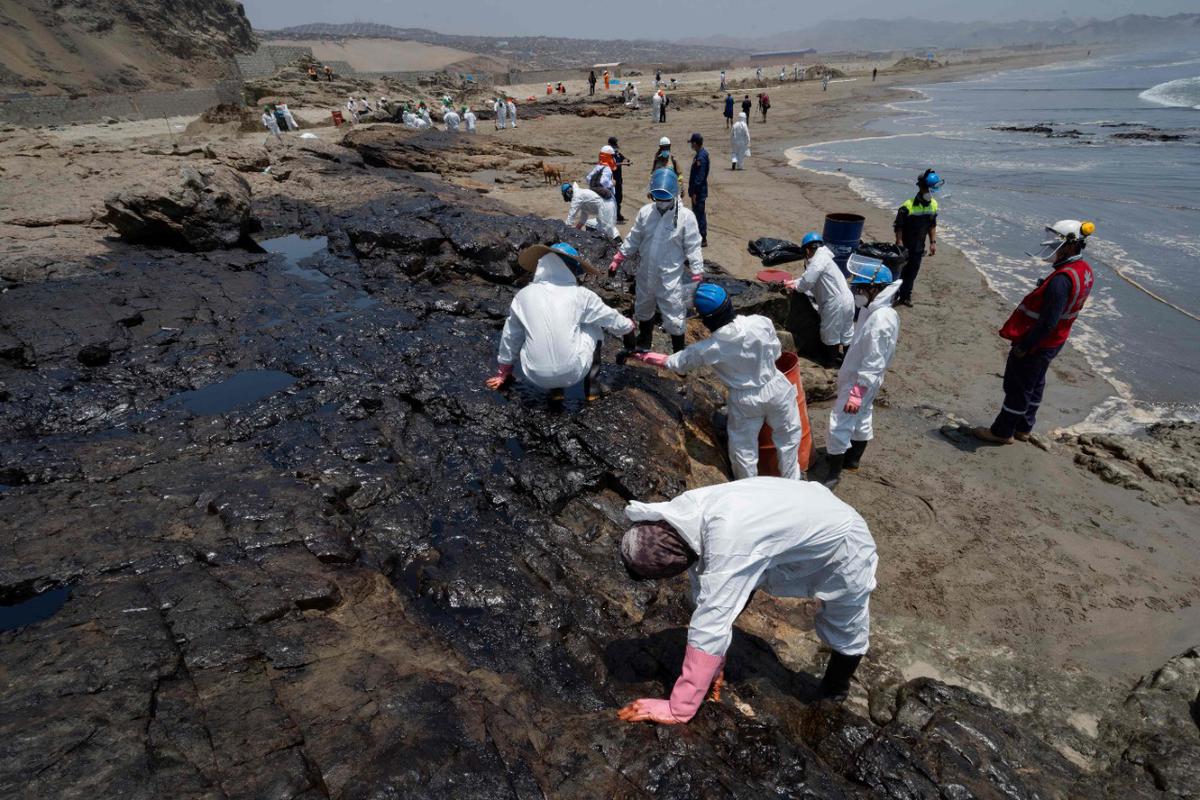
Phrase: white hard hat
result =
(607, 150)
(664, 142)
(1072, 229)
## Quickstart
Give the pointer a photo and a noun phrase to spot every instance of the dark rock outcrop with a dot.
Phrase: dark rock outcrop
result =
(186, 206)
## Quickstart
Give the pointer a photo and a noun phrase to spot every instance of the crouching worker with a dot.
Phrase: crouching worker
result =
(587, 205)
(791, 538)
(555, 327)
(835, 303)
(861, 373)
(742, 350)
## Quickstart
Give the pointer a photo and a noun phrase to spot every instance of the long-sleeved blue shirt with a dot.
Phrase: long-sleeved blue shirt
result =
(698, 176)
(1054, 305)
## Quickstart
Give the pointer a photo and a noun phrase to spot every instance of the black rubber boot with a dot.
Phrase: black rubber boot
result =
(645, 335)
(592, 388)
(677, 343)
(629, 341)
(833, 355)
(836, 683)
(854, 456)
(835, 470)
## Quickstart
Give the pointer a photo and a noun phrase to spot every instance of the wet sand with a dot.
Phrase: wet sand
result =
(1008, 563)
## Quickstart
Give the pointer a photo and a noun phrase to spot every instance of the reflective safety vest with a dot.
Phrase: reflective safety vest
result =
(1026, 315)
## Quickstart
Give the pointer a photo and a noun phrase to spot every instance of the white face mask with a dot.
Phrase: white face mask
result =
(663, 206)
(860, 301)
(926, 196)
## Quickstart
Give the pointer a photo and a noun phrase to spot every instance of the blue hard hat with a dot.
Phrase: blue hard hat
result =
(931, 181)
(810, 237)
(710, 297)
(876, 274)
(664, 184)
(567, 192)
(566, 250)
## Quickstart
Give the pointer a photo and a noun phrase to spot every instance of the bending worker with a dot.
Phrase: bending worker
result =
(1038, 329)
(792, 538)
(835, 303)
(554, 330)
(916, 221)
(670, 264)
(742, 350)
(587, 205)
(861, 375)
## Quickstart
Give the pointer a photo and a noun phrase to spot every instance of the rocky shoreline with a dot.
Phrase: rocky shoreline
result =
(377, 578)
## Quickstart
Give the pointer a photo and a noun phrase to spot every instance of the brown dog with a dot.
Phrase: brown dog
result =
(551, 173)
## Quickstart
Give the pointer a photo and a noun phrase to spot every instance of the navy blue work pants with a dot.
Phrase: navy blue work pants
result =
(1024, 382)
(701, 217)
(909, 274)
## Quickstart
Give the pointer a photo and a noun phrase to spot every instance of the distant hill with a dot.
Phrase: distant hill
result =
(106, 46)
(531, 52)
(911, 33)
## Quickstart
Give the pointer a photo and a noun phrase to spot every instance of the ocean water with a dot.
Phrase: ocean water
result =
(1141, 328)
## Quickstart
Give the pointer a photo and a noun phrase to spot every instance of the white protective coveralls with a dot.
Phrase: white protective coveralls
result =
(792, 538)
(352, 110)
(743, 354)
(831, 292)
(553, 327)
(501, 112)
(739, 142)
(428, 120)
(451, 119)
(270, 123)
(655, 106)
(287, 115)
(867, 358)
(586, 204)
(666, 244)
(511, 108)
(469, 119)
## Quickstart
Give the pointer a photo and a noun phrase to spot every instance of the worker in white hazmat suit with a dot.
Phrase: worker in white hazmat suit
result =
(861, 374)
(289, 117)
(587, 205)
(742, 350)
(452, 119)
(423, 110)
(791, 538)
(555, 327)
(501, 112)
(270, 123)
(739, 142)
(835, 303)
(667, 239)
(656, 106)
(511, 108)
(352, 108)
(468, 118)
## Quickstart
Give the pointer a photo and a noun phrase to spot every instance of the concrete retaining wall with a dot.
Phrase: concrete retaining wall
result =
(58, 110)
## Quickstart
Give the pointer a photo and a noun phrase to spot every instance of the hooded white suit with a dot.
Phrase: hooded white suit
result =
(469, 120)
(739, 141)
(586, 204)
(743, 354)
(792, 538)
(655, 106)
(665, 244)
(501, 111)
(451, 119)
(874, 344)
(553, 327)
(830, 290)
(511, 108)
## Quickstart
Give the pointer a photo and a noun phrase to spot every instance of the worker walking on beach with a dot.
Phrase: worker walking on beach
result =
(656, 105)
(555, 327)
(916, 221)
(764, 105)
(592, 82)
(270, 122)
(728, 111)
(746, 105)
(670, 265)
(835, 303)
(739, 142)
(468, 118)
(722, 80)
(792, 538)
(875, 335)
(501, 111)
(511, 108)
(1038, 329)
(662, 107)
(698, 185)
(742, 351)
(451, 118)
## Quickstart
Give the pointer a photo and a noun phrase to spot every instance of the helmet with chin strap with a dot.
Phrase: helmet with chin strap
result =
(930, 181)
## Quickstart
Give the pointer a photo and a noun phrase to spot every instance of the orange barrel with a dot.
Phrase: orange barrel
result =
(768, 464)
(337, 119)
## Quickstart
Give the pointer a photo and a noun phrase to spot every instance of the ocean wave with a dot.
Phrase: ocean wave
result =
(1120, 414)
(1180, 93)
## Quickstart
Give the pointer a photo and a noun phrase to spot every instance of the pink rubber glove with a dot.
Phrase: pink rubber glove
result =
(792, 284)
(698, 278)
(653, 359)
(854, 402)
(699, 670)
(501, 377)
(617, 261)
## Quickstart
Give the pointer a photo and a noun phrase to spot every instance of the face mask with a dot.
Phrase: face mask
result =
(663, 206)
(860, 301)
(926, 196)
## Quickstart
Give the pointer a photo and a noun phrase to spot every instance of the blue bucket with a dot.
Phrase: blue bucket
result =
(842, 234)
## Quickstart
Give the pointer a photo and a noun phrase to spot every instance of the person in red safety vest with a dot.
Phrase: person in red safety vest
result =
(1038, 329)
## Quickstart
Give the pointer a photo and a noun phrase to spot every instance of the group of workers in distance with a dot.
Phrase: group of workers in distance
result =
(791, 537)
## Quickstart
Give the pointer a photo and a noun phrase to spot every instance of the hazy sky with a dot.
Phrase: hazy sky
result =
(660, 19)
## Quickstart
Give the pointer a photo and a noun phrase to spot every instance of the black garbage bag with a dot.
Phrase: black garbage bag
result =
(775, 251)
(894, 256)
